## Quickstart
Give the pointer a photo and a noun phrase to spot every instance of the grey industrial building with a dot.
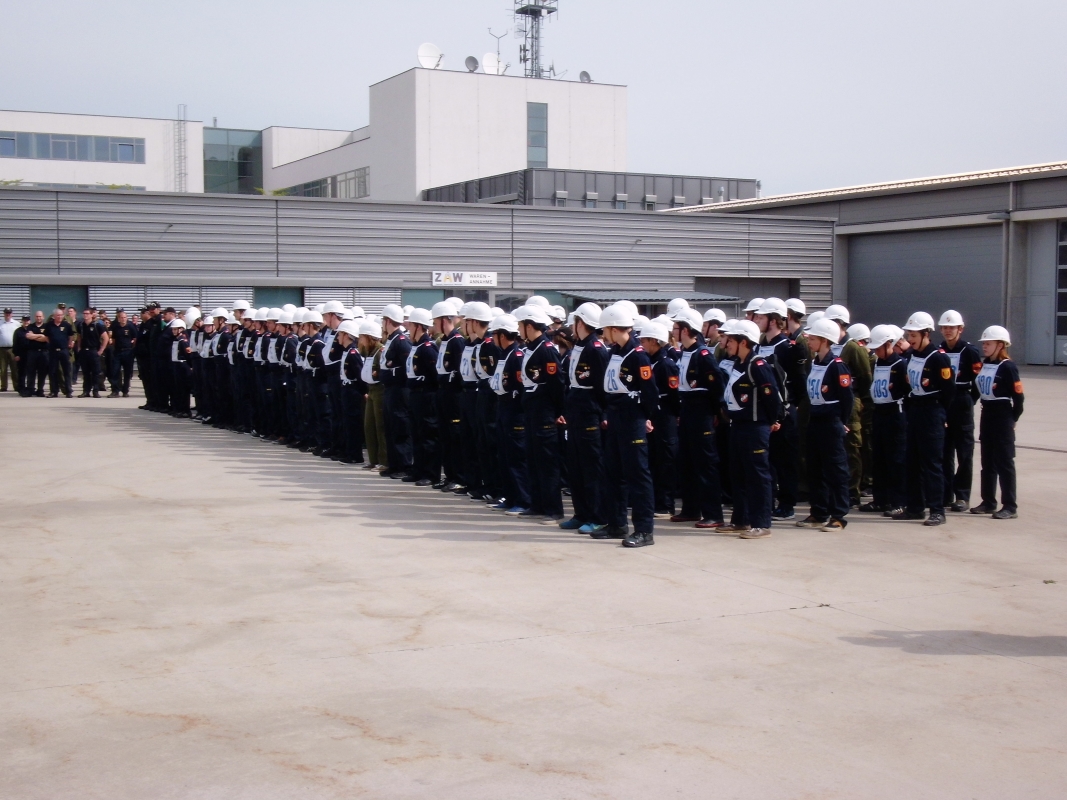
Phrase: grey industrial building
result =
(992, 245)
(110, 248)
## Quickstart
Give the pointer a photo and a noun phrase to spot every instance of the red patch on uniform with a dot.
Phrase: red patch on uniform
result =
(1018, 387)
(703, 352)
(550, 367)
(597, 344)
(672, 382)
(646, 373)
(518, 374)
(846, 380)
(977, 366)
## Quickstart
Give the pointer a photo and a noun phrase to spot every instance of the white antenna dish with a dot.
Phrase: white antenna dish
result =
(491, 64)
(430, 56)
(471, 64)
(585, 77)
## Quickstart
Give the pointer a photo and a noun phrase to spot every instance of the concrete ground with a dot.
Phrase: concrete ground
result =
(189, 613)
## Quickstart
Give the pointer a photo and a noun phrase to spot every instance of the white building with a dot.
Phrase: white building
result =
(80, 150)
(433, 127)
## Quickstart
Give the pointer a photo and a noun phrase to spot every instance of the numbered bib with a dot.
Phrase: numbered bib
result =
(915, 375)
(466, 367)
(612, 379)
(814, 385)
(731, 401)
(496, 382)
(880, 392)
(985, 380)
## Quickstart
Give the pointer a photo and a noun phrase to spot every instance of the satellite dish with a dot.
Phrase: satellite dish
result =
(491, 64)
(430, 56)
(472, 64)
(585, 77)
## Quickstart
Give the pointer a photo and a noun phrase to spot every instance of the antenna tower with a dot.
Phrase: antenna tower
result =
(181, 166)
(529, 15)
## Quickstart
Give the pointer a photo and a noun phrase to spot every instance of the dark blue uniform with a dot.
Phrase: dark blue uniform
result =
(630, 399)
(889, 387)
(90, 335)
(470, 469)
(958, 460)
(753, 404)
(543, 404)
(933, 386)
(318, 388)
(124, 341)
(182, 372)
(449, 387)
(663, 441)
(486, 354)
(788, 361)
(1001, 394)
(421, 370)
(583, 409)
(393, 377)
(511, 425)
(830, 398)
(700, 389)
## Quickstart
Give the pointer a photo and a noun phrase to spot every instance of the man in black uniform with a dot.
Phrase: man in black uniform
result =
(143, 353)
(393, 376)
(932, 388)
(60, 334)
(959, 433)
(123, 338)
(449, 386)
(663, 440)
(507, 384)
(20, 349)
(92, 341)
(161, 339)
(421, 371)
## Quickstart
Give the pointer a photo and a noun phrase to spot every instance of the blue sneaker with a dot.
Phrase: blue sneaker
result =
(517, 511)
(572, 524)
(501, 506)
(591, 527)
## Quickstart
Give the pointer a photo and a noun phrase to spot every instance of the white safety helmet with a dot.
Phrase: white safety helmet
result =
(663, 320)
(504, 322)
(241, 305)
(477, 310)
(194, 312)
(838, 313)
(298, 316)
(191, 316)
(676, 305)
(727, 328)
(655, 330)
(557, 313)
(314, 317)
(358, 312)
(537, 300)
(286, 318)
(629, 305)
(796, 306)
(754, 304)
(996, 333)
(334, 307)
(747, 329)
(689, 317)
(288, 307)
(497, 311)
(640, 321)
(825, 329)
(407, 310)
(881, 334)
(321, 308)
(815, 317)
(443, 309)
(898, 333)
(532, 313)
(773, 305)
(455, 301)
(207, 319)
(715, 315)
(859, 332)
(219, 311)
(919, 321)
(260, 315)
(951, 317)
(178, 322)
(231, 320)
(616, 316)
(462, 310)
(347, 314)
(302, 310)
(274, 314)
(589, 313)
(393, 312)
(420, 316)
(349, 326)
(370, 328)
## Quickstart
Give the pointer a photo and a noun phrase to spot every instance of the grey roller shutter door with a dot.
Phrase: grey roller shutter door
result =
(313, 295)
(372, 301)
(180, 297)
(892, 275)
(17, 298)
(225, 296)
(111, 298)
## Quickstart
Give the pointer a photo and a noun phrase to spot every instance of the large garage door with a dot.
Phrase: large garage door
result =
(890, 275)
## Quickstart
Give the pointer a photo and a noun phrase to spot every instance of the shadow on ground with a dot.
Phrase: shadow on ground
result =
(964, 643)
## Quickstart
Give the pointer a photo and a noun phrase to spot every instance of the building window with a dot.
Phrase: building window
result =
(69, 147)
(650, 206)
(537, 135)
(233, 161)
(589, 203)
(347, 186)
(620, 205)
(561, 202)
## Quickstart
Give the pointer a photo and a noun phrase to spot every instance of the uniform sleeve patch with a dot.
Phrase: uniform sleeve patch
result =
(703, 352)
(518, 374)
(766, 389)
(1018, 387)
(977, 367)
(551, 367)
(646, 373)
(672, 382)
(946, 373)
(597, 344)
(846, 380)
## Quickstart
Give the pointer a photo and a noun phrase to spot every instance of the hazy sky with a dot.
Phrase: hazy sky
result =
(803, 95)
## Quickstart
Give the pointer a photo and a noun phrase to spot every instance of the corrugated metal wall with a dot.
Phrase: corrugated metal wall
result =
(200, 240)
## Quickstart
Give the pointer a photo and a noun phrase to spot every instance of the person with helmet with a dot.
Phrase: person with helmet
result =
(752, 307)
(181, 384)
(583, 414)
(264, 406)
(889, 426)
(244, 401)
(795, 322)
(304, 436)
(858, 361)
(785, 358)
(421, 370)
(753, 405)
(353, 390)
(676, 305)
(700, 388)
(333, 314)
(861, 335)
(486, 354)
(162, 364)
(506, 383)
(932, 386)
(631, 401)
(197, 332)
(220, 364)
(663, 439)
(1001, 393)
(542, 405)
(469, 465)
(830, 399)
(959, 433)
(370, 347)
(714, 318)
(449, 388)
(393, 375)
(288, 346)
(318, 384)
